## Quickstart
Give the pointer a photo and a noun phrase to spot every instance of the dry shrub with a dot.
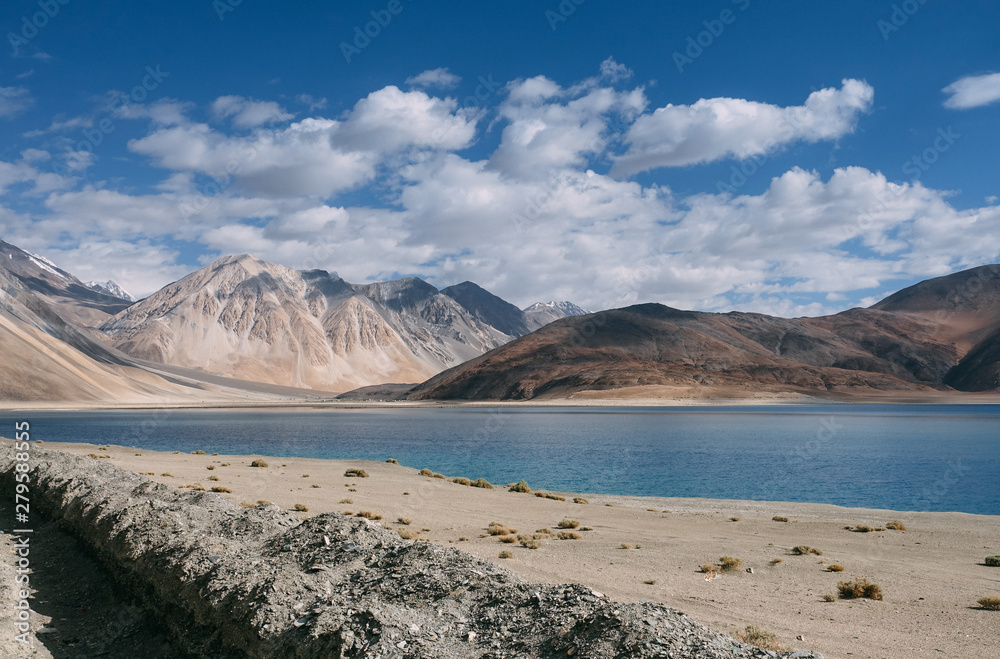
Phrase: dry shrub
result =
(462, 481)
(347, 501)
(210, 467)
(529, 541)
(860, 587)
(506, 553)
(167, 474)
(580, 500)
(317, 486)
(407, 534)
(355, 473)
(779, 518)
(990, 603)
(734, 519)
(728, 563)
(367, 514)
(569, 524)
(225, 464)
(568, 535)
(760, 638)
(777, 561)
(301, 507)
(259, 463)
(521, 487)
(499, 528)
(482, 483)
(993, 561)
(548, 532)
(221, 490)
(549, 495)
(405, 520)
(626, 545)
(509, 539)
(709, 568)
(829, 598)
(896, 525)
(835, 567)
(862, 528)
(650, 582)
(147, 473)
(804, 550)
(392, 461)
(213, 478)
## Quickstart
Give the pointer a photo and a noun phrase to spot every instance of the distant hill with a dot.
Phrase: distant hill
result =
(542, 313)
(938, 335)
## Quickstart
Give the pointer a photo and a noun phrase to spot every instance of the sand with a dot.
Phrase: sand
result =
(931, 574)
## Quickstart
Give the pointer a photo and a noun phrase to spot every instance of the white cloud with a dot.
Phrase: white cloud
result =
(612, 71)
(549, 128)
(441, 78)
(163, 112)
(311, 101)
(24, 171)
(14, 101)
(973, 91)
(248, 113)
(140, 267)
(717, 128)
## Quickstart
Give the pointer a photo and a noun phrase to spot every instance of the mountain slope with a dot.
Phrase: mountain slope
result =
(542, 313)
(249, 319)
(73, 300)
(489, 308)
(922, 340)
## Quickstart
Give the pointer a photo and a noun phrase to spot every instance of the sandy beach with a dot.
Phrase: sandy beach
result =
(931, 574)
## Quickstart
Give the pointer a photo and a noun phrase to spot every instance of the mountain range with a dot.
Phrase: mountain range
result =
(243, 328)
(942, 334)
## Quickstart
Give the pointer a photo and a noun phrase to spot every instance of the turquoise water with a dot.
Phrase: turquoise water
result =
(940, 457)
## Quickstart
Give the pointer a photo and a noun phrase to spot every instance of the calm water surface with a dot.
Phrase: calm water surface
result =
(941, 457)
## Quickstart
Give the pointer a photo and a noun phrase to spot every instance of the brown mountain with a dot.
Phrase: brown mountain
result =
(942, 334)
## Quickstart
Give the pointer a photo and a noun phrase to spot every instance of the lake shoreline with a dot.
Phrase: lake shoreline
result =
(934, 566)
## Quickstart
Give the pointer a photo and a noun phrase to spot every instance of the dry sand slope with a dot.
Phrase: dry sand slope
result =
(932, 574)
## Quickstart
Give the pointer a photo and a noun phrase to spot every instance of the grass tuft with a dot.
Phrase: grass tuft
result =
(462, 481)
(355, 473)
(779, 518)
(498, 528)
(407, 534)
(990, 603)
(569, 524)
(580, 500)
(393, 461)
(760, 638)
(835, 567)
(259, 463)
(521, 487)
(993, 561)
(728, 563)
(568, 535)
(860, 587)
(549, 495)
(529, 541)
(405, 520)
(222, 490)
(896, 525)
(804, 550)
(482, 483)
(302, 508)
(506, 553)
(367, 514)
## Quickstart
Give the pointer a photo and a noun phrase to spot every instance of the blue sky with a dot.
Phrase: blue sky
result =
(784, 157)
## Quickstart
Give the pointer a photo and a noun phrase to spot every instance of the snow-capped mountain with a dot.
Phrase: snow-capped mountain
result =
(111, 288)
(542, 313)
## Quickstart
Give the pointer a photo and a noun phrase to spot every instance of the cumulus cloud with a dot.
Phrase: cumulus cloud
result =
(612, 71)
(717, 128)
(441, 78)
(973, 91)
(549, 128)
(14, 101)
(248, 113)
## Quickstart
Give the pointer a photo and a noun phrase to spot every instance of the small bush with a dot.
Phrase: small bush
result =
(896, 525)
(728, 563)
(247, 504)
(626, 545)
(580, 500)
(777, 561)
(760, 638)
(221, 489)
(709, 568)
(509, 539)
(835, 567)
(610, 505)
(779, 518)
(167, 474)
(392, 461)
(991, 603)
(482, 483)
(198, 452)
(441, 476)
(213, 478)
(569, 524)
(302, 508)
(462, 481)
(568, 535)
(355, 473)
(529, 541)
(367, 514)
(317, 485)
(259, 463)
(650, 582)
(347, 501)
(225, 464)
(862, 528)
(829, 598)
(210, 467)
(498, 528)
(993, 561)
(407, 534)
(506, 553)
(548, 532)
(147, 473)
(405, 520)
(262, 501)
(426, 472)
(734, 519)
(549, 495)
(521, 487)
(804, 550)
(860, 587)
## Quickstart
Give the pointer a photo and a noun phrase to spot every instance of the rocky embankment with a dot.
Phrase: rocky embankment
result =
(226, 581)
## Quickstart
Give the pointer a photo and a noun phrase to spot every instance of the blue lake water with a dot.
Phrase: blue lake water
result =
(939, 457)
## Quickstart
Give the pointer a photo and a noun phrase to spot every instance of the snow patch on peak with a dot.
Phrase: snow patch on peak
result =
(109, 287)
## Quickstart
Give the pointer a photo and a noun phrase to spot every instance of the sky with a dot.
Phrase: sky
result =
(784, 157)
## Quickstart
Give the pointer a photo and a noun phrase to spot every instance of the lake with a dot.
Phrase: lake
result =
(902, 457)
